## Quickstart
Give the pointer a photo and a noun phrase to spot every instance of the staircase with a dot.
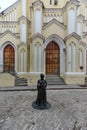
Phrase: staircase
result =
(55, 80)
(19, 81)
(85, 80)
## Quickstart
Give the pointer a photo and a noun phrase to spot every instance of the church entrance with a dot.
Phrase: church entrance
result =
(9, 58)
(52, 59)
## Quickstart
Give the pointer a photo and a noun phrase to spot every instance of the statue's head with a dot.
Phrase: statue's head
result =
(42, 76)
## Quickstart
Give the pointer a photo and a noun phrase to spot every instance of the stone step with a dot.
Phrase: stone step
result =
(85, 80)
(53, 83)
(21, 82)
(55, 80)
(21, 85)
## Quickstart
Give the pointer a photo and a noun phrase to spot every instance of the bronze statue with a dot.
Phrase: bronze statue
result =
(41, 101)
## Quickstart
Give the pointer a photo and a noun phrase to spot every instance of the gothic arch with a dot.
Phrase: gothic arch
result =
(59, 41)
(2, 51)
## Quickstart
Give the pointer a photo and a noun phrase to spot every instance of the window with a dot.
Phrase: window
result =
(55, 2)
(38, 21)
(50, 2)
(71, 21)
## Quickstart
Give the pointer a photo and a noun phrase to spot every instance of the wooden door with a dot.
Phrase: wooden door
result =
(9, 58)
(52, 58)
(86, 61)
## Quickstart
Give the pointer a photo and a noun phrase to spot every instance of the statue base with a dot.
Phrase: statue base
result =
(41, 107)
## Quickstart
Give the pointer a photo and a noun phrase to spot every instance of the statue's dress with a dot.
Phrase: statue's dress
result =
(41, 101)
(41, 96)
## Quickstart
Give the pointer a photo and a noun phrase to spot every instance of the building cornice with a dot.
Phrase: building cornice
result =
(48, 10)
(75, 2)
(81, 16)
(83, 43)
(36, 36)
(9, 22)
(10, 7)
(56, 22)
(38, 2)
(75, 35)
(9, 32)
(24, 18)
(85, 21)
(23, 44)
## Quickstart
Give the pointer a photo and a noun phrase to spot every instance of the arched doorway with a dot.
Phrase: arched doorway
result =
(9, 58)
(52, 58)
(86, 61)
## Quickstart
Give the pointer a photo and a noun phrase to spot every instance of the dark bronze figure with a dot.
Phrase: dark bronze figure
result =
(41, 101)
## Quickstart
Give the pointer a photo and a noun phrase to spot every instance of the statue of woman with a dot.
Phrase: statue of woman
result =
(41, 101)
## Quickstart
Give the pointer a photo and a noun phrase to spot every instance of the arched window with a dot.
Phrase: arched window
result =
(37, 57)
(69, 57)
(79, 28)
(74, 58)
(38, 21)
(71, 21)
(23, 32)
(9, 58)
(23, 60)
(50, 2)
(80, 53)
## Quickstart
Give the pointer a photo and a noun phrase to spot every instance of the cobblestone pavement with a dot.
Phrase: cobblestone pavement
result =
(68, 111)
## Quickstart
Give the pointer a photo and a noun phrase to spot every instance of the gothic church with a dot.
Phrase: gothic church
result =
(48, 36)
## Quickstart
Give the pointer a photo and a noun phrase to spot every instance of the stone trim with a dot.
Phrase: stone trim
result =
(83, 43)
(75, 2)
(56, 22)
(72, 35)
(37, 35)
(75, 73)
(59, 41)
(10, 7)
(81, 16)
(9, 32)
(38, 2)
(24, 18)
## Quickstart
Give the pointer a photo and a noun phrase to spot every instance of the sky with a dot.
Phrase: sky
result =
(6, 3)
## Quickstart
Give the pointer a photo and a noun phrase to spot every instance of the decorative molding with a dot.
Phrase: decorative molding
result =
(23, 44)
(72, 35)
(75, 2)
(74, 73)
(10, 7)
(24, 18)
(38, 2)
(37, 35)
(56, 22)
(35, 73)
(83, 43)
(22, 72)
(55, 10)
(81, 17)
(9, 32)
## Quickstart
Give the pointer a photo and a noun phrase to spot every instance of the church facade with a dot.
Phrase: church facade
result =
(48, 36)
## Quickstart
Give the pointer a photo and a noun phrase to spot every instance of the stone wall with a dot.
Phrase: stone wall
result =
(73, 79)
(7, 80)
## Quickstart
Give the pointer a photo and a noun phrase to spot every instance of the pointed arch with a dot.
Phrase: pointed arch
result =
(59, 41)
(52, 58)
(2, 55)
(71, 20)
(8, 58)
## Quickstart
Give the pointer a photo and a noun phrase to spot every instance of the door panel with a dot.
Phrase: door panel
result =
(9, 58)
(52, 58)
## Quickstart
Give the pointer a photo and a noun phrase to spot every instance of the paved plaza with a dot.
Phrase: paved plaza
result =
(68, 110)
